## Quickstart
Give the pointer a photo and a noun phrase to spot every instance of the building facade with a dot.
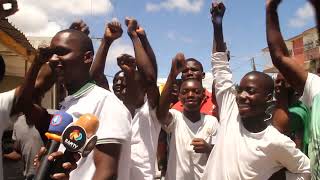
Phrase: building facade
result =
(305, 48)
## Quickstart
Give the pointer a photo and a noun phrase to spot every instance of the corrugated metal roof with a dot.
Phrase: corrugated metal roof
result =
(15, 34)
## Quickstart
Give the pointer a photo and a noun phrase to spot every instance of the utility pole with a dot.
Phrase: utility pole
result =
(253, 64)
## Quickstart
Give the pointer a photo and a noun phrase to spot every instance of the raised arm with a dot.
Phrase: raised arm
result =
(28, 95)
(178, 65)
(217, 13)
(145, 65)
(147, 47)
(293, 73)
(26, 92)
(80, 25)
(112, 32)
(316, 5)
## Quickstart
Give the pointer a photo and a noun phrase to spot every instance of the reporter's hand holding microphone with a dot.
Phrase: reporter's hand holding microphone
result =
(77, 137)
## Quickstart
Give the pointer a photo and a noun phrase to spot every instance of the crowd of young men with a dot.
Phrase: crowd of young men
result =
(232, 134)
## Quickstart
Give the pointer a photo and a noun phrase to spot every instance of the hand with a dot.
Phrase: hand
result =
(273, 4)
(126, 63)
(141, 32)
(43, 54)
(132, 25)
(178, 64)
(217, 12)
(5, 13)
(113, 31)
(67, 166)
(80, 26)
(201, 146)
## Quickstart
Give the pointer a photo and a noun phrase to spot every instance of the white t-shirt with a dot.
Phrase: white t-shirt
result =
(6, 102)
(311, 89)
(311, 97)
(184, 163)
(240, 154)
(144, 143)
(114, 126)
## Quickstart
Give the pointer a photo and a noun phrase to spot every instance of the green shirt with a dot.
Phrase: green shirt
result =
(314, 146)
(299, 121)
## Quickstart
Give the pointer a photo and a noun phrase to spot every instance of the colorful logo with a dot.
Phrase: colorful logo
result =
(56, 120)
(76, 135)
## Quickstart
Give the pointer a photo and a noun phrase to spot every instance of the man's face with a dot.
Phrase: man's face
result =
(191, 95)
(119, 85)
(279, 82)
(252, 97)
(67, 60)
(193, 71)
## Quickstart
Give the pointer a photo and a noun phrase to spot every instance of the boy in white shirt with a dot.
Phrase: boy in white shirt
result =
(137, 89)
(248, 146)
(141, 98)
(193, 133)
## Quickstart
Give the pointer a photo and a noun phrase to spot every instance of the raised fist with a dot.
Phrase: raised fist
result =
(8, 12)
(178, 64)
(140, 31)
(132, 25)
(273, 3)
(43, 54)
(126, 63)
(80, 25)
(113, 31)
(217, 12)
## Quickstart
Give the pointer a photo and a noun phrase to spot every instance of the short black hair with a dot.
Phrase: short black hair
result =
(86, 42)
(2, 68)
(196, 61)
(193, 80)
(117, 74)
(265, 78)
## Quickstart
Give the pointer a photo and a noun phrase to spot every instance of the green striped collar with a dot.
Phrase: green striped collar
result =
(84, 89)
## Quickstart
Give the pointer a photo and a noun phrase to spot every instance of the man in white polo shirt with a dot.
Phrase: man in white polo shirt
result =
(248, 146)
(71, 58)
(192, 133)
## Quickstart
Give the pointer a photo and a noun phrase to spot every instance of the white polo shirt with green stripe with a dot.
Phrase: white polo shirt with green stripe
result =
(311, 97)
(114, 126)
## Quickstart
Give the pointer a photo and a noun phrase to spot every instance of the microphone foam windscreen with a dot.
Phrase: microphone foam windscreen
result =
(89, 122)
(59, 122)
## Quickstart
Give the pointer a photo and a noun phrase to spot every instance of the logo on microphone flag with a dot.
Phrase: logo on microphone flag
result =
(74, 138)
(56, 120)
(76, 135)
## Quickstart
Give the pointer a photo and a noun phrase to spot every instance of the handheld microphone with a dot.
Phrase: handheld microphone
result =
(78, 137)
(58, 123)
